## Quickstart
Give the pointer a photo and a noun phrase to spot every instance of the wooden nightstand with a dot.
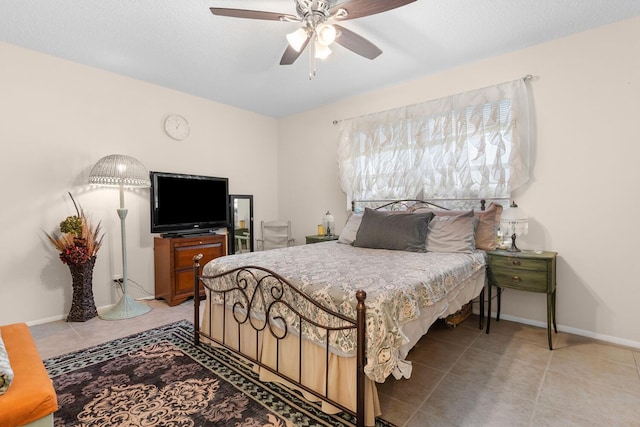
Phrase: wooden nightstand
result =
(318, 238)
(533, 271)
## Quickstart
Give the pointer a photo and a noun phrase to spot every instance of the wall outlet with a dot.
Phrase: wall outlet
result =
(117, 277)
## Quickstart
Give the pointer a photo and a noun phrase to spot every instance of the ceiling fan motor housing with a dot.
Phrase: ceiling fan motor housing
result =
(306, 8)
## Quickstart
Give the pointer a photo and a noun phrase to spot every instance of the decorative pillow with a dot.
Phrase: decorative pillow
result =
(384, 230)
(350, 230)
(487, 227)
(6, 373)
(486, 224)
(451, 233)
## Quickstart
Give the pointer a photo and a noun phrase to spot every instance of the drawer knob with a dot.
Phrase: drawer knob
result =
(516, 279)
(516, 262)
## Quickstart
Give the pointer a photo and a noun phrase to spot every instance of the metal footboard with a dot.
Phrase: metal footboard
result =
(262, 301)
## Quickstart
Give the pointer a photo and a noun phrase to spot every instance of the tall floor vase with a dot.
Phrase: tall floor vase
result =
(83, 307)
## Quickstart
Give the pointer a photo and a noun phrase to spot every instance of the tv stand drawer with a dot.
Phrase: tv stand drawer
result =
(173, 263)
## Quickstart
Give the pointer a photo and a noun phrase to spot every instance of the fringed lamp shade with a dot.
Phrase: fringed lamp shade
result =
(327, 221)
(514, 222)
(118, 169)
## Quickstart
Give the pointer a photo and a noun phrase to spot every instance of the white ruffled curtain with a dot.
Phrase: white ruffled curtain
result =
(469, 145)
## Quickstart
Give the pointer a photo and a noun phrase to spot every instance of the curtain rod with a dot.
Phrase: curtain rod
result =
(525, 78)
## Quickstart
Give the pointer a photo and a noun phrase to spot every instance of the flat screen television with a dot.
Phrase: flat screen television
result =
(188, 204)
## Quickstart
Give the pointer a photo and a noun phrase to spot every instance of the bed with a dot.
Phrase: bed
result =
(331, 319)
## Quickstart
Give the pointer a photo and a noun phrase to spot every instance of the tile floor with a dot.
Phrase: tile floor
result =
(461, 376)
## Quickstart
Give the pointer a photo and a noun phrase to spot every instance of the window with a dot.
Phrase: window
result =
(468, 145)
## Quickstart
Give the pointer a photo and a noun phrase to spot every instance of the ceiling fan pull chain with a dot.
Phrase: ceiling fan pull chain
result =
(312, 56)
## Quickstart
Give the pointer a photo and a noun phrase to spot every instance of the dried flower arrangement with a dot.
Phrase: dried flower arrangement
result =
(80, 240)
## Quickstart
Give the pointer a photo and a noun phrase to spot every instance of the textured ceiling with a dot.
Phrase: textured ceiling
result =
(179, 44)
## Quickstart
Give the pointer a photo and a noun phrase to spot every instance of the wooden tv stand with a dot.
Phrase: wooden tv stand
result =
(173, 263)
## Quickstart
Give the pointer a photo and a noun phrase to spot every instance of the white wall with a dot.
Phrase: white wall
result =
(582, 198)
(57, 118)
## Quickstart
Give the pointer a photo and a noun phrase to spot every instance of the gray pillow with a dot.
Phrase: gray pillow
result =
(451, 233)
(401, 232)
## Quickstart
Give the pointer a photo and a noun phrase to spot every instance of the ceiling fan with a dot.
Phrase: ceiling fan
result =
(317, 18)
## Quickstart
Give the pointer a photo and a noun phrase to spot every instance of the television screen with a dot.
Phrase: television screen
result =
(188, 203)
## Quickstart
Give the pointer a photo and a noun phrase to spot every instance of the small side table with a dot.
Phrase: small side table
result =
(532, 271)
(317, 238)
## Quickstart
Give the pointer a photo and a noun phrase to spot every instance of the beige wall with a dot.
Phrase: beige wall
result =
(582, 197)
(57, 119)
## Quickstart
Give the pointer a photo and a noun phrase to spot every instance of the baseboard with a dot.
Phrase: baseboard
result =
(574, 331)
(64, 316)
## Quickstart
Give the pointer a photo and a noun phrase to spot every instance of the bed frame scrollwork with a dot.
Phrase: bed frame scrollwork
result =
(263, 302)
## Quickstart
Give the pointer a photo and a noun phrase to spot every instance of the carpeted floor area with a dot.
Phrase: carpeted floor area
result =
(158, 377)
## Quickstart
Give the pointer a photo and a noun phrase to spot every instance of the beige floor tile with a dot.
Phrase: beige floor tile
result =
(545, 416)
(514, 347)
(596, 348)
(435, 353)
(594, 368)
(396, 411)
(422, 419)
(463, 403)
(605, 405)
(533, 334)
(415, 389)
(464, 334)
(500, 372)
(61, 337)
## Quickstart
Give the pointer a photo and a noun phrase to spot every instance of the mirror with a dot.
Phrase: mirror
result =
(241, 236)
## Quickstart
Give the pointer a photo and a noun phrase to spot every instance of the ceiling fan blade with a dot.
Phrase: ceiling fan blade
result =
(357, 43)
(252, 14)
(361, 8)
(290, 54)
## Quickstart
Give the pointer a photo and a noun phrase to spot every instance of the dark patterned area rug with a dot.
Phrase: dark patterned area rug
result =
(159, 378)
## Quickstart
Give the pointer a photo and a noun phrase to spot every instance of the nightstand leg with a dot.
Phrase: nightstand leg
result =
(555, 328)
(481, 298)
(489, 308)
(549, 320)
(499, 303)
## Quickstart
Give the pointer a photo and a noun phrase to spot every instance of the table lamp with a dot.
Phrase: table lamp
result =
(327, 221)
(514, 222)
(118, 170)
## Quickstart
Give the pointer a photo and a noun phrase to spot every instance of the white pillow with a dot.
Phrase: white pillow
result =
(350, 230)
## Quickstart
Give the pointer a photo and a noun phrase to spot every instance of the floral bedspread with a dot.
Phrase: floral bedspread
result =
(398, 284)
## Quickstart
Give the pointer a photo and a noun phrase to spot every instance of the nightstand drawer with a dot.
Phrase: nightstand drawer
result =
(507, 262)
(526, 280)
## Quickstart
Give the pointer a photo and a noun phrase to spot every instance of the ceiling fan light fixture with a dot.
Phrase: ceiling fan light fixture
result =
(326, 34)
(297, 38)
(321, 51)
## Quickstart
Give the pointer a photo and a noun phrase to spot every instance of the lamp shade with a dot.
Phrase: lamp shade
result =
(297, 39)
(326, 34)
(327, 221)
(514, 220)
(119, 169)
(322, 51)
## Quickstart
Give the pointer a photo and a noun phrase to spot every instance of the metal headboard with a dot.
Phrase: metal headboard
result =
(406, 204)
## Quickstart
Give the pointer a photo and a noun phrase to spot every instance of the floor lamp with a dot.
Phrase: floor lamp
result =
(118, 170)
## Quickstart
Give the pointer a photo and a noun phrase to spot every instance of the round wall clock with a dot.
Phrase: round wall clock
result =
(176, 126)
